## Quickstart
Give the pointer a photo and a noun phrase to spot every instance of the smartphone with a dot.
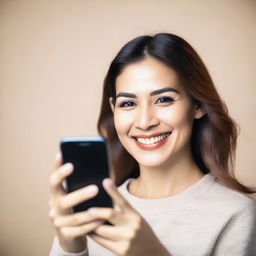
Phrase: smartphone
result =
(89, 155)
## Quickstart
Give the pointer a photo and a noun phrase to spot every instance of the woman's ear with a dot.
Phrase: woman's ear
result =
(112, 104)
(198, 111)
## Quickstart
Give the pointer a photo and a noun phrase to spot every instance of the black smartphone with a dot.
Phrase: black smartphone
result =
(89, 155)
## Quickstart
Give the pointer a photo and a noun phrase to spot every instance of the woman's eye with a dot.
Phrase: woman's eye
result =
(126, 104)
(165, 99)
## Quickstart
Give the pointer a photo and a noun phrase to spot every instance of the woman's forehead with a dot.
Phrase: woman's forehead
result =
(147, 75)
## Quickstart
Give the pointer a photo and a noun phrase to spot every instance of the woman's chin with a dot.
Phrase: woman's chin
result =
(151, 162)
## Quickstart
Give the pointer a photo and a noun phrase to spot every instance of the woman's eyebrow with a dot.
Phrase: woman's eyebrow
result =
(131, 95)
(126, 95)
(167, 89)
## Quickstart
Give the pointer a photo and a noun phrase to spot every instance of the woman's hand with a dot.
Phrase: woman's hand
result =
(71, 228)
(130, 234)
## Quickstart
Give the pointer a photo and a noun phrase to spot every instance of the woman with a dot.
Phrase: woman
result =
(172, 147)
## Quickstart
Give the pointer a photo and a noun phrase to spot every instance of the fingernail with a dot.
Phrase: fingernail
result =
(91, 211)
(67, 168)
(92, 189)
(108, 182)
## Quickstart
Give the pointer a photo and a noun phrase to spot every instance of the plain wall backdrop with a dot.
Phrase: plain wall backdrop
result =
(54, 56)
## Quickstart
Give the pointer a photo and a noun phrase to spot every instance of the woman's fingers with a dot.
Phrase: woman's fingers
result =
(78, 231)
(115, 195)
(58, 160)
(75, 219)
(103, 213)
(78, 196)
(69, 225)
(111, 215)
(114, 232)
(58, 177)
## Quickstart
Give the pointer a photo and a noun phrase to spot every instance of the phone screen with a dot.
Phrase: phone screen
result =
(90, 159)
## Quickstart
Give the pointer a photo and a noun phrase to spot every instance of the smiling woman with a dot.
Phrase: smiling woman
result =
(213, 140)
(172, 146)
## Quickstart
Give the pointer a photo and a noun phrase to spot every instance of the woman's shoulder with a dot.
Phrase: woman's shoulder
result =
(227, 198)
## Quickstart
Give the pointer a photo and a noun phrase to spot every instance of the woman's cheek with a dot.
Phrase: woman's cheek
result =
(123, 121)
(175, 116)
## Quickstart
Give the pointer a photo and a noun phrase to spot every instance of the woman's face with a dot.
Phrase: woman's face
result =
(153, 115)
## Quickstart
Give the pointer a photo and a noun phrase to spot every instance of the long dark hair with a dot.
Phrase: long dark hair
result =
(213, 140)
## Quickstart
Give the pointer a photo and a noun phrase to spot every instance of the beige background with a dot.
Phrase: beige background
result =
(54, 56)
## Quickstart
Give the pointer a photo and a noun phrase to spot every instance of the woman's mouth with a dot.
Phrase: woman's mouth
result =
(151, 142)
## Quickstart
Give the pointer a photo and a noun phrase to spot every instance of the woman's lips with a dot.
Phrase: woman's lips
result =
(151, 142)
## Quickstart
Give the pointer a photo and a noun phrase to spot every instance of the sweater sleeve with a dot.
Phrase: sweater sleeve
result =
(238, 238)
(58, 251)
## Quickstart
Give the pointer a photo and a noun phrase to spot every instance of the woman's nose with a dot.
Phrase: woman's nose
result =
(146, 118)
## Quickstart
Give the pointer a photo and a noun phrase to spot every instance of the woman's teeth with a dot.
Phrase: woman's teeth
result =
(153, 140)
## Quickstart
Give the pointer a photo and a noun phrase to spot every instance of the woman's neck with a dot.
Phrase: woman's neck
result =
(170, 179)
